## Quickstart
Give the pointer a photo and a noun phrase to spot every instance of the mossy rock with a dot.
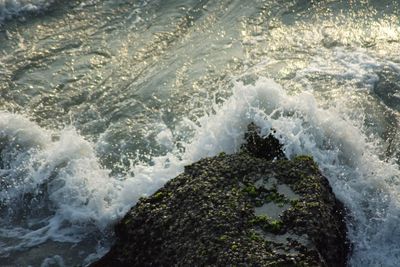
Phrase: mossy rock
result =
(210, 216)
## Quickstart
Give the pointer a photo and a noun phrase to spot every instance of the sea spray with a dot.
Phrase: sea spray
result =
(365, 182)
(361, 178)
(53, 188)
(61, 172)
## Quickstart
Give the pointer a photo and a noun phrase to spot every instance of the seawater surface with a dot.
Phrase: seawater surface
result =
(102, 102)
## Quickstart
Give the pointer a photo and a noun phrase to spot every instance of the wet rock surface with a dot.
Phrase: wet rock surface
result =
(243, 209)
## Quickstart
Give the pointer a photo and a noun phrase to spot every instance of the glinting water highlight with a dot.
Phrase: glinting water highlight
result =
(102, 102)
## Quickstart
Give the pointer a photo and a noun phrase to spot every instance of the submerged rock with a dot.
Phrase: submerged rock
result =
(242, 209)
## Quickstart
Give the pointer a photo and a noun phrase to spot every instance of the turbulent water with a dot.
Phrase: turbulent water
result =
(103, 101)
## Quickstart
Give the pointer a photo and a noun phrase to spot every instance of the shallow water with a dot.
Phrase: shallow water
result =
(104, 101)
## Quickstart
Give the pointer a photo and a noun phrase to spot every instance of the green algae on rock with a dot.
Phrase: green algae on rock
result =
(237, 210)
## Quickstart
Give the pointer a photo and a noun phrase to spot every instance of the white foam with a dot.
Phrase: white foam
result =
(82, 196)
(366, 183)
(165, 137)
(58, 178)
(13, 8)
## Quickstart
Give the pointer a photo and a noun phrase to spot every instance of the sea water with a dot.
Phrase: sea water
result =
(102, 102)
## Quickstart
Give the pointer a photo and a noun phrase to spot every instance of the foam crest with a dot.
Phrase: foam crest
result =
(13, 8)
(56, 176)
(361, 177)
(55, 188)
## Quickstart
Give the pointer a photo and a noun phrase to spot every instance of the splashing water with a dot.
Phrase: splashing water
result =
(104, 101)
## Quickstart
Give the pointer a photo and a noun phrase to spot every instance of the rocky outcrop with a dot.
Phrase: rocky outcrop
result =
(254, 208)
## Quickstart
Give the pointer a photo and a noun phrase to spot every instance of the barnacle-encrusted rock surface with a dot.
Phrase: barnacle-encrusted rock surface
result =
(246, 209)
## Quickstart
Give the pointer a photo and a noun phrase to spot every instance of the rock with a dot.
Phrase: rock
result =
(239, 209)
(268, 147)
